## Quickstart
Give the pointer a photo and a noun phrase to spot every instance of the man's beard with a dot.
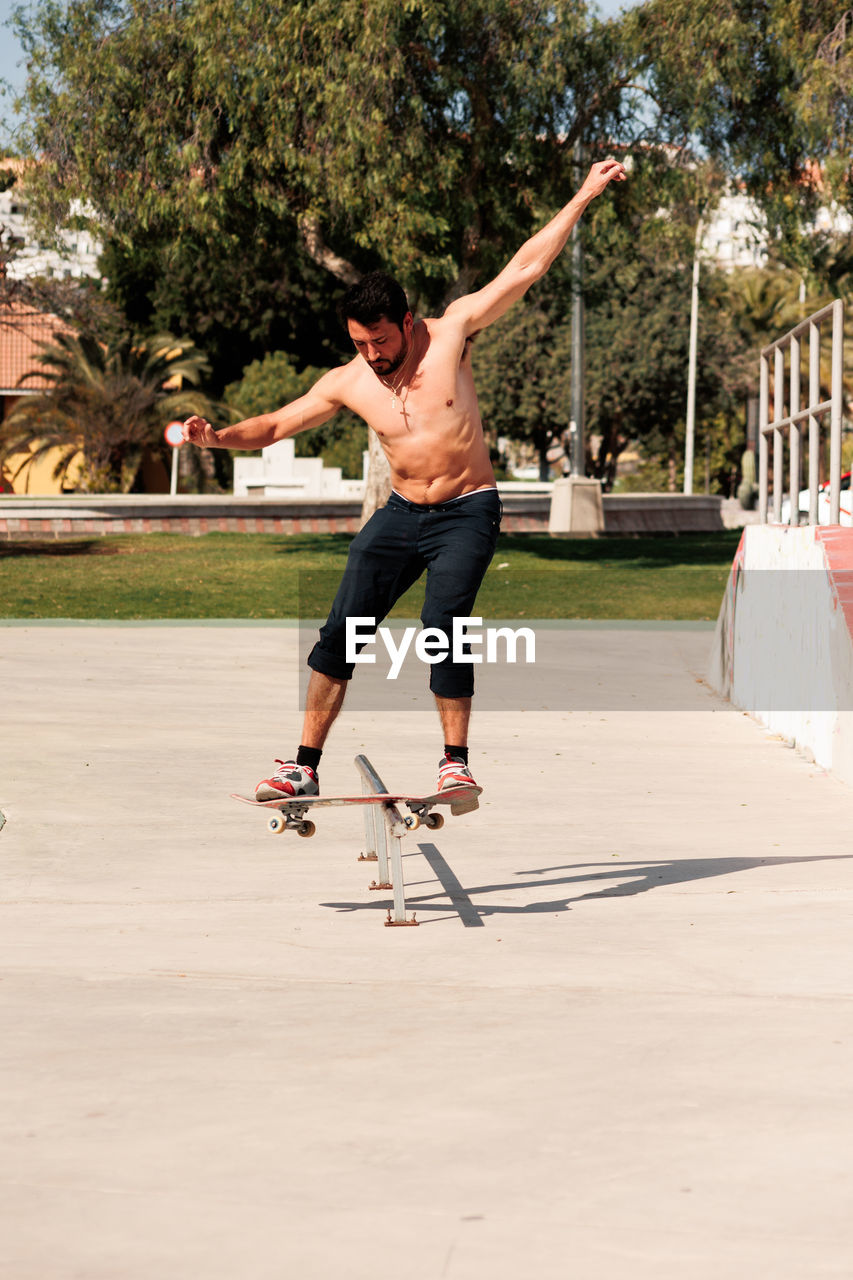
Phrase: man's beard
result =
(391, 366)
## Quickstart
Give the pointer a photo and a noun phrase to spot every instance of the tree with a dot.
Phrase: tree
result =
(522, 366)
(761, 86)
(638, 256)
(79, 303)
(239, 307)
(109, 401)
(425, 136)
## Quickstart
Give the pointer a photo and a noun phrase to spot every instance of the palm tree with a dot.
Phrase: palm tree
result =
(765, 304)
(106, 402)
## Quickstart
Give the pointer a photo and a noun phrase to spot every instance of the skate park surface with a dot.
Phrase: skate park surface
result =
(617, 1047)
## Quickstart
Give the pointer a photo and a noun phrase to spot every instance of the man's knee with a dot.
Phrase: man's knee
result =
(329, 662)
(451, 679)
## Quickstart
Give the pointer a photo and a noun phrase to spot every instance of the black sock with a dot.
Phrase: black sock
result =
(456, 753)
(309, 756)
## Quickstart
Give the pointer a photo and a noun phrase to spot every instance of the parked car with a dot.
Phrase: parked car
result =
(822, 504)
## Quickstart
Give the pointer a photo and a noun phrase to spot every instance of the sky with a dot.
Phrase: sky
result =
(10, 54)
(13, 71)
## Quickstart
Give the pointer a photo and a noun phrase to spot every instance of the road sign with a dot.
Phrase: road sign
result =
(174, 434)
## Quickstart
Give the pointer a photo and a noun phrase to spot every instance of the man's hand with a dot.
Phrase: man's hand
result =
(198, 431)
(601, 175)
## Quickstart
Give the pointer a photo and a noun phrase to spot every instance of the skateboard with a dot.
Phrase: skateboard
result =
(292, 813)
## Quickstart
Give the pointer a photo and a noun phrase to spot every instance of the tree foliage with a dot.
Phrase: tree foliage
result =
(238, 306)
(244, 161)
(763, 87)
(522, 367)
(425, 135)
(638, 258)
(80, 303)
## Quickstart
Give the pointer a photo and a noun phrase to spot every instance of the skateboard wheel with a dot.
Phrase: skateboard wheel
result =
(276, 824)
(306, 829)
(435, 821)
(412, 821)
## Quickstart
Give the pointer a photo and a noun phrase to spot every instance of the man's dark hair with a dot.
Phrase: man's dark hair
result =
(376, 295)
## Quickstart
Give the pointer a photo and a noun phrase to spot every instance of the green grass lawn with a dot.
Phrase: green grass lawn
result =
(155, 576)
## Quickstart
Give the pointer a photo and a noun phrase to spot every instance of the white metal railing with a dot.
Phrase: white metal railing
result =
(797, 417)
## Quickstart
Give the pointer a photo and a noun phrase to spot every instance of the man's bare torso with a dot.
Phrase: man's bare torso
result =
(429, 426)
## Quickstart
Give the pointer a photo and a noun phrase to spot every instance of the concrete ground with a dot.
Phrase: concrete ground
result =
(618, 1045)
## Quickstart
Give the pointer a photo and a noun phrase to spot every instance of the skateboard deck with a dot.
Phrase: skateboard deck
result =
(293, 811)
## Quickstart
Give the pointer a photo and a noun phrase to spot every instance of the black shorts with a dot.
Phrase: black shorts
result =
(453, 541)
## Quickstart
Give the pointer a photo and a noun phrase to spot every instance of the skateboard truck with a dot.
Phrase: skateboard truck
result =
(278, 822)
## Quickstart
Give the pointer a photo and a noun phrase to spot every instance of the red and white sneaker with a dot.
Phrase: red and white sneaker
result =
(289, 779)
(453, 773)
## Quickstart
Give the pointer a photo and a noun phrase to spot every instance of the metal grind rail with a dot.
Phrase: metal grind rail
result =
(384, 828)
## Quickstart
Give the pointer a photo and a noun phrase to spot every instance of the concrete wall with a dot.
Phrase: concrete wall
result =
(295, 513)
(662, 513)
(783, 649)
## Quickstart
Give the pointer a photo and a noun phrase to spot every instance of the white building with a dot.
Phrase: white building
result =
(735, 233)
(79, 250)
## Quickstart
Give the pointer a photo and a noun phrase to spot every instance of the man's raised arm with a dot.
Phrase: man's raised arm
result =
(534, 257)
(311, 410)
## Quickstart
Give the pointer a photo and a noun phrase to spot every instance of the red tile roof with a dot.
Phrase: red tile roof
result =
(21, 331)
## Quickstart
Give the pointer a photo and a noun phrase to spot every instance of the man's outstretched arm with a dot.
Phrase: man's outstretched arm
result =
(534, 257)
(311, 410)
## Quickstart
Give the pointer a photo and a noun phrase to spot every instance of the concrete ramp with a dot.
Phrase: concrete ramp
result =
(783, 646)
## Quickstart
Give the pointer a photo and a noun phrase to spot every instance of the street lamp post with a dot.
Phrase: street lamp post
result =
(576, 426)
(691, 368)
(576, 407)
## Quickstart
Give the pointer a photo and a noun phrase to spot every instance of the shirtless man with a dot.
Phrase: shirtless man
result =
(411, 381)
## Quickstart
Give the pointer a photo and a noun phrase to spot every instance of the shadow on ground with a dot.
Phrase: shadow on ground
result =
(655, 551)
(614, 880)
(59, 548)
